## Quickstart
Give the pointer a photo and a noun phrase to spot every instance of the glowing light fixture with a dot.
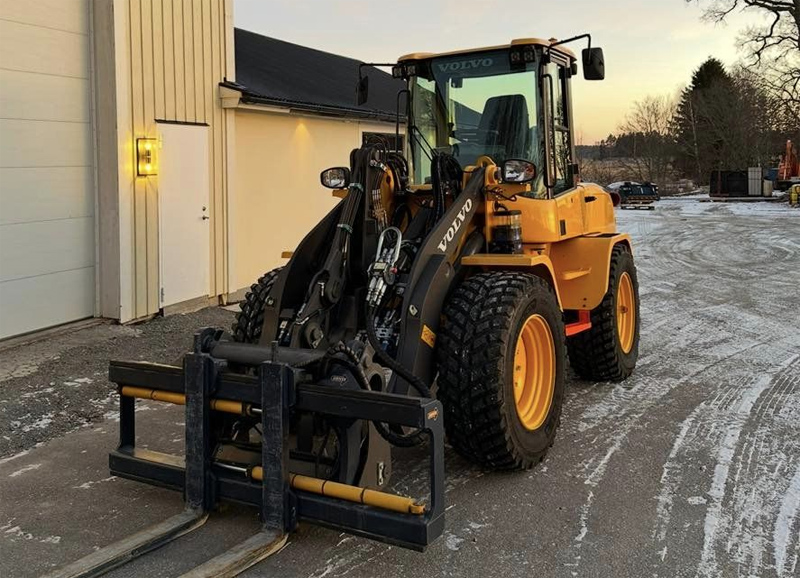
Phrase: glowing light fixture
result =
(146, 157)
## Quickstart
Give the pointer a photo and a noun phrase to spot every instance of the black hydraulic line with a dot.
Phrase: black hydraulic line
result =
(344, 349)
(446, 176)
(401, 440)
(408, 215)
(353, 364)
(396, 439)
(390, 362)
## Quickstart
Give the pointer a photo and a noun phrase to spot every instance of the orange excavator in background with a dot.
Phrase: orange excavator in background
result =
(789, 168)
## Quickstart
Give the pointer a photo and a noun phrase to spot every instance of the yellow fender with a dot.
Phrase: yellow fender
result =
(576, 268)
(582, 267)
(539, 263)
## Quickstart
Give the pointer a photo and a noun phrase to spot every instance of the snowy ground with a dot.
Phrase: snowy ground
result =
(689, 468)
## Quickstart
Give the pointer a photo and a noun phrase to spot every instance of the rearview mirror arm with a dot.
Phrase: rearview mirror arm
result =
(573, 39)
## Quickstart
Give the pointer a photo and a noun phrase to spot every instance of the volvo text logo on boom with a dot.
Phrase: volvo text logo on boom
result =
(457, 222)
(465, 64)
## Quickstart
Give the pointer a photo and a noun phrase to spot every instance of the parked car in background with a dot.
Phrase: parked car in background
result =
(635, 195)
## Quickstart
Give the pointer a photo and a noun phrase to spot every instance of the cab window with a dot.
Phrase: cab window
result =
(560, 143)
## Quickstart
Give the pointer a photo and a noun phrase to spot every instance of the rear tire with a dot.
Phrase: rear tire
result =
(250, 319)
(605, 352)
(478, 354)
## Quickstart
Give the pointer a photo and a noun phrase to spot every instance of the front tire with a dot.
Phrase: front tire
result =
(609, 350)
(501, 361)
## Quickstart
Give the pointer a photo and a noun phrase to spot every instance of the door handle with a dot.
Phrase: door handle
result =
(205, 217)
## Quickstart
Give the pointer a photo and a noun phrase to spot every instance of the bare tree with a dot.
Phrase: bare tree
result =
(649, 124)
(773, 49)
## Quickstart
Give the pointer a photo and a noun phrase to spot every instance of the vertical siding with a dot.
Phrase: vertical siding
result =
(168, 46)
(219, 202)
(178, 56)
(159, 83)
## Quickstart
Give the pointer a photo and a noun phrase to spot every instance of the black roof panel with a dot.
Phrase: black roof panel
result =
(285, 74)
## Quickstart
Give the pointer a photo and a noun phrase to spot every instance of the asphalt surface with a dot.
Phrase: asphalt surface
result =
(689, 468)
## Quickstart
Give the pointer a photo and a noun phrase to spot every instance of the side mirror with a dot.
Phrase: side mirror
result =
(335, 178)
(518, 171)
(362, 90)
(594, 65)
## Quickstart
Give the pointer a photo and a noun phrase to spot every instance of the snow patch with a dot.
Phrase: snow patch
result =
(453, 542)
(88, 485)
(24, 469)
(41, 423)
(11, 531)
(14, 457)
(78, 381)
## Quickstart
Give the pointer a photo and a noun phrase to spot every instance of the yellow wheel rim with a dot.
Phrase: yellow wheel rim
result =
(534, 372)
(626, 313)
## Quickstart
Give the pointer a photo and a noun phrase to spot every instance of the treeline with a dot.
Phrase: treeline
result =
(721, 120)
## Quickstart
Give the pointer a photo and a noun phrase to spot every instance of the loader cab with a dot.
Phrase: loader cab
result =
(507, 102)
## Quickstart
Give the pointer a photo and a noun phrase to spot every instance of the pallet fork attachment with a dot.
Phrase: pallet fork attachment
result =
(119, 553)
(274, 391)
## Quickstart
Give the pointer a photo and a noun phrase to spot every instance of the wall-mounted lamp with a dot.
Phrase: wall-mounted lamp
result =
(146, 157)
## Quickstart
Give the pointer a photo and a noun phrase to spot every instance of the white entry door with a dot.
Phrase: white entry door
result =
(183, 193)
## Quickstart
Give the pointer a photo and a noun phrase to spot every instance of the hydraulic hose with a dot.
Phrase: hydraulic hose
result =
(400, 440)
(390, 362)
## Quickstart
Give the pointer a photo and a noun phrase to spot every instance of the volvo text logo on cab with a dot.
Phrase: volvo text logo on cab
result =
(457, 222)
(465, 64)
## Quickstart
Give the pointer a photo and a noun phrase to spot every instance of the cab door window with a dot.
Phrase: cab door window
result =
(560, 142)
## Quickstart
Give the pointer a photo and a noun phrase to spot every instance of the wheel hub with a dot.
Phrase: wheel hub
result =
(626, 313)
(534, 372)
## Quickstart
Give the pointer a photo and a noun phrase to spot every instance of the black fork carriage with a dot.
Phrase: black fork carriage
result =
(272, 392)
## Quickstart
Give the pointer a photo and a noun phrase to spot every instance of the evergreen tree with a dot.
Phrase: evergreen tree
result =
(704, 119)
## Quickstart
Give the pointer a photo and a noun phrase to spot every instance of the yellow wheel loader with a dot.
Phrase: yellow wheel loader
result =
(442, 297)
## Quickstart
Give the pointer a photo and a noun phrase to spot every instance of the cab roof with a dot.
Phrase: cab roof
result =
(518, 42)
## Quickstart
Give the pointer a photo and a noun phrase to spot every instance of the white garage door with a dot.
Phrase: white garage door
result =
(47, 255)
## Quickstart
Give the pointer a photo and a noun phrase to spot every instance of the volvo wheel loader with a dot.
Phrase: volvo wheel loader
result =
(441, 299)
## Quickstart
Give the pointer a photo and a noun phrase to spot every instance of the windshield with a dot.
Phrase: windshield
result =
(472, 105)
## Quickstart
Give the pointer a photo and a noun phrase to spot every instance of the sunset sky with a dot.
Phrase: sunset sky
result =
(651, 46)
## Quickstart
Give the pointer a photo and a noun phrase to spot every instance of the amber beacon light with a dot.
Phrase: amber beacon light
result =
(146, 157)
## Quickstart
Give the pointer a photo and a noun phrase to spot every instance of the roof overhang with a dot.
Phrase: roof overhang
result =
(237, 96)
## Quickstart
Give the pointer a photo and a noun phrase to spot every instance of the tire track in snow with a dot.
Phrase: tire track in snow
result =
(671, 471)
(628, 415)
(782, 536)
(702, 431)
(704, 339)
(716, 519)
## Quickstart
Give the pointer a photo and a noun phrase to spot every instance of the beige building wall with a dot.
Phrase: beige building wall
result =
(276, 196)
(169, 57)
